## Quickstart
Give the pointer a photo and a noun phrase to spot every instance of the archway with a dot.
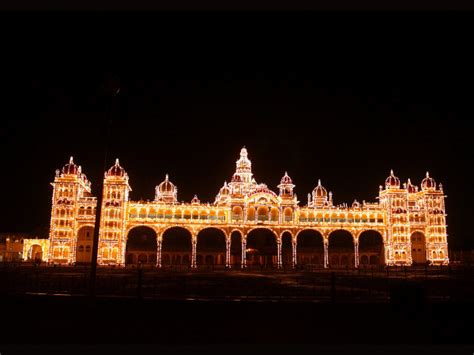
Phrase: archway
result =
(310, 248)
(236, 249)
(176, 248)
(418, 248)
(261, 248)
(286, 250)
(85, 239)
(341, 249)
(211, 247)
(141, 243)
(35, 253)
(371, 249)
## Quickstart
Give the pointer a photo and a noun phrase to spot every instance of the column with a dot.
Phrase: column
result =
(326, 257)
(279, 261)
(158, 252)
(244, 252)
(293, 252)
(227, 252)
(356, 253)
(193, 252)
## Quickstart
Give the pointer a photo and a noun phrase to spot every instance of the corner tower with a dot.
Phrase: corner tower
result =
(112, 237)
(395, 202)
(69, 187)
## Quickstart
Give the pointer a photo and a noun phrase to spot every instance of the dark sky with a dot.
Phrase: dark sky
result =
(343, 97)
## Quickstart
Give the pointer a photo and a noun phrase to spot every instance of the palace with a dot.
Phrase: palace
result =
(252, 224)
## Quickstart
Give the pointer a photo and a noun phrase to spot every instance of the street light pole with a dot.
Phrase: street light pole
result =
(112, 88)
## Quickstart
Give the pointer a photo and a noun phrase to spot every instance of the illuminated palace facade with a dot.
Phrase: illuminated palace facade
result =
(410, 221)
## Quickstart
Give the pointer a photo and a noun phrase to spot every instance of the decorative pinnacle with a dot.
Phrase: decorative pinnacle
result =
(319, 182)
(391, 172)
(166, 177)
(427, 174)
(71, 160)
(409, 182)
(117, 162)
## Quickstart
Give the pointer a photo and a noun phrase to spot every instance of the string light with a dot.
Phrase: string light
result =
(244, 205)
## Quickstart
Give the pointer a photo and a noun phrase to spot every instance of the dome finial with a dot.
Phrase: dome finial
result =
(71, 160)
(319, 182)
(166, 177)
(427, 174)
(391, 172)
(117, 162)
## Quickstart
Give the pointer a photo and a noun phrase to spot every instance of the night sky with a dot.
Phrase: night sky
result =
(343, 97)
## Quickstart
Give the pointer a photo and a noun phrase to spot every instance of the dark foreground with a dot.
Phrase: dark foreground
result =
(224, 311)
(69, 319)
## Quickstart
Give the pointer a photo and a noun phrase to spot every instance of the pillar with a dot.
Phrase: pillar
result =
(326, 256)
(293, 252)
(243, 264)
(193, 251)
(279, 257)
(158, 252)
(356, 253)
(227, 252)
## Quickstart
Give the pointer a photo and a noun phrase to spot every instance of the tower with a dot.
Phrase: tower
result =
(435, 216)
(112, 237)
(242, 182)
(69, 187)
(394, 200)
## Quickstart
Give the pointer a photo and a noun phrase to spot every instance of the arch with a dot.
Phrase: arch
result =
(341, 244)
(143, 213)
(303, 217)
(35, 253)
(371, 244)
(152, 213)
(261, 248)
(262, 213)
(160, 213)
(221, 216)
(288, 214)
(212, 242)
(213, 215)
(178, 214)
(177, 242)
(141, 241)
(310, 248)
(187, 214)
(418, 247)
(85, 238)
(251, 214)
(237, 213)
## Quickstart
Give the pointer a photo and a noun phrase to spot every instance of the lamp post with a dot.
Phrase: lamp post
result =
(111, 89)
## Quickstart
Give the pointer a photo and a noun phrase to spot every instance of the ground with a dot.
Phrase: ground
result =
(432, 306)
